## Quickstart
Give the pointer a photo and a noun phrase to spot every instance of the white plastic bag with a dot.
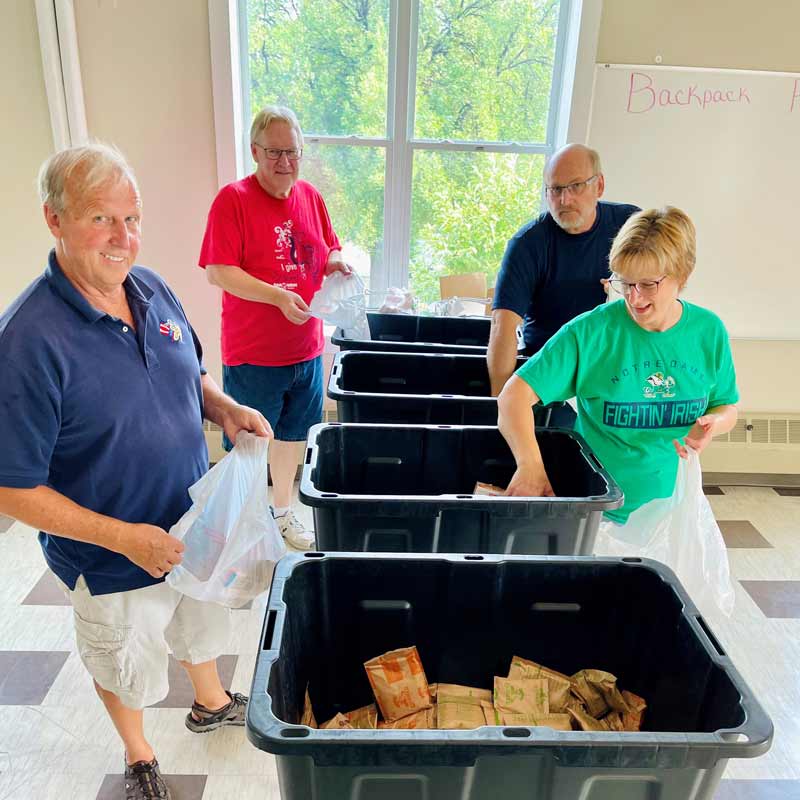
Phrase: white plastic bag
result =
(681, 532)
(230, 535)
(342, 301)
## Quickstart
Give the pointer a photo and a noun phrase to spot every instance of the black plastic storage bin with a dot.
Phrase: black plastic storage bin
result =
(408, 489)
(328, 613)
(420, 388)
(411, 333)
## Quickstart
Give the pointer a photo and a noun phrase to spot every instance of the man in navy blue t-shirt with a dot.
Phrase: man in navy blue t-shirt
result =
(103, 395)
(554, 266)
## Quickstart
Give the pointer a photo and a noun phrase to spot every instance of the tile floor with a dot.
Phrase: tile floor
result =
(56, 742)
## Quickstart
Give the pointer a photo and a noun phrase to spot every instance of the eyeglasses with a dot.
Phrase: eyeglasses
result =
(571, 188)
(274, 153)
(643, 288)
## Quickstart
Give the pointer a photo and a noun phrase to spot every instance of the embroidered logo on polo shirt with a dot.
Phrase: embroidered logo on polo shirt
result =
(171, 329)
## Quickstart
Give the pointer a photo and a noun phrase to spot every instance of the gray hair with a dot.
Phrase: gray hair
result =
(270, 114)
(90, 165)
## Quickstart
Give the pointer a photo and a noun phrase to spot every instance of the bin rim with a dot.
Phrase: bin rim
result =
(750, 739)
(613, 497)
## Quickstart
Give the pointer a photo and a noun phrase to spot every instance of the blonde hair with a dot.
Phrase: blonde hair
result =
(270, 114)
(88, 167)
(663, 238)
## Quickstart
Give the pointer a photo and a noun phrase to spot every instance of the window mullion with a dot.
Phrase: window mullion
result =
(399, 154)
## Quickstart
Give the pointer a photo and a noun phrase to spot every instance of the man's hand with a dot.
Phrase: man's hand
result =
(699, 437)
(237, 418)
(530, 482)
(151, 548)
(337, 264)
(293, 307)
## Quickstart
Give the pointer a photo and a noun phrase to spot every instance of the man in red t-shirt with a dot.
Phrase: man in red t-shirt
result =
(268, 244)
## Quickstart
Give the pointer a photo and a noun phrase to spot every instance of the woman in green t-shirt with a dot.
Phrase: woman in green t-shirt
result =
(647, 371)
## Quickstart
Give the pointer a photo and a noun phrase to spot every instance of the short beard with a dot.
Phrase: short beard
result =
(578, 222)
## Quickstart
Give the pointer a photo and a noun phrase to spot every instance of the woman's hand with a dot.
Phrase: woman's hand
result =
(530, 482)
(699, 437)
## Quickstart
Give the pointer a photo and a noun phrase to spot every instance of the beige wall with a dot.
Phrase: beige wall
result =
(25, 141)
(733, 34)
(146, 71)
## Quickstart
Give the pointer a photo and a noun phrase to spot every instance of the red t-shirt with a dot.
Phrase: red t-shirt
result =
(285, 243)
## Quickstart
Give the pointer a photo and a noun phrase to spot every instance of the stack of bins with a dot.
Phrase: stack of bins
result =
(402, 493)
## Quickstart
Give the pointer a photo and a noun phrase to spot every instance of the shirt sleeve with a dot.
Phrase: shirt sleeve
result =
(517, 279)
(30, 421)
(552, 372)
(223, 242)
(724, 390)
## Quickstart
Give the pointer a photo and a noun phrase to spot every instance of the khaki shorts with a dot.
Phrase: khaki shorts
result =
(124, 638)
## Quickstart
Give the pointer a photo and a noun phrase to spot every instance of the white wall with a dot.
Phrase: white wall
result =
(147, 82)
(25, 141)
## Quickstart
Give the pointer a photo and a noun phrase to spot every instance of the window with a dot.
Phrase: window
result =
(426, 122)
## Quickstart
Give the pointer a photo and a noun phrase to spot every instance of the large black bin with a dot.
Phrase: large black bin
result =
(408, 489)
(420, 388)
(328, 613)
(411, 333)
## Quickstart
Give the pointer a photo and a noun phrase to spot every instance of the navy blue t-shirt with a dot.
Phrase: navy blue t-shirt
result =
(108, 416)
(549, 276)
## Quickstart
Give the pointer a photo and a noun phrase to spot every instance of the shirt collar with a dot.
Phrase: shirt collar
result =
(135, 288)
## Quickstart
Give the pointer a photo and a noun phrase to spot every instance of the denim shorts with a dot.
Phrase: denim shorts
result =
(289, 397)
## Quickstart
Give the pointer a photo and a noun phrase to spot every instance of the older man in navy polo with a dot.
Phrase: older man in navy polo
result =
(103, 396)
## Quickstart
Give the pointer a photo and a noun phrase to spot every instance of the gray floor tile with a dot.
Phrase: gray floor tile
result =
(758, 790)
(5, 523)
(712, 490)
(741, 533)
(26, 676)
(182, 787)
(787, 491)
(181, 694)
(776, 599)
(47, 592)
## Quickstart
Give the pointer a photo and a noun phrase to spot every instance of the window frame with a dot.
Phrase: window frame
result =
(568, 115)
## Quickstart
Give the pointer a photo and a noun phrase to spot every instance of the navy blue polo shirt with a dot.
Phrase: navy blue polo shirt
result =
(549, 276)
(108, 416)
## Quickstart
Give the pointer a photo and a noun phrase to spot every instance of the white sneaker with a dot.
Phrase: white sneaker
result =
(295, 532)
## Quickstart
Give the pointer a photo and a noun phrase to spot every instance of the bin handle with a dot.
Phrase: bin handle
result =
(758, 736)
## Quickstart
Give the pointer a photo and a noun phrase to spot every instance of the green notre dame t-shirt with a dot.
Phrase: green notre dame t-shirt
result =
(636, 390)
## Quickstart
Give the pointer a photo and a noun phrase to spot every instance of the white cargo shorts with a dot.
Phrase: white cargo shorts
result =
(124, 638)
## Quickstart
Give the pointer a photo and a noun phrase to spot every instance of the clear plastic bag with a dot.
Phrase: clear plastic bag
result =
(342, 301)
(681, 532)
(398, 301)
(230, 535)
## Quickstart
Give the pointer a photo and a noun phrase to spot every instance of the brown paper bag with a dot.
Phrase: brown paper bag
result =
(433, 688)
(339, 722)
(614, 721)
(490, 713)
(308, 713)
(598, 689)
(632, 720)
(365, 717)
(420, 720)
(528, 696)
(558, 685)
(459, 716)
(488, 490)
(398, 682)
(560, 722)
(586, 722)
(454, 693)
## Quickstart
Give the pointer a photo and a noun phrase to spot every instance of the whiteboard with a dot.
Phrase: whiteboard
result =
(723, 145)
